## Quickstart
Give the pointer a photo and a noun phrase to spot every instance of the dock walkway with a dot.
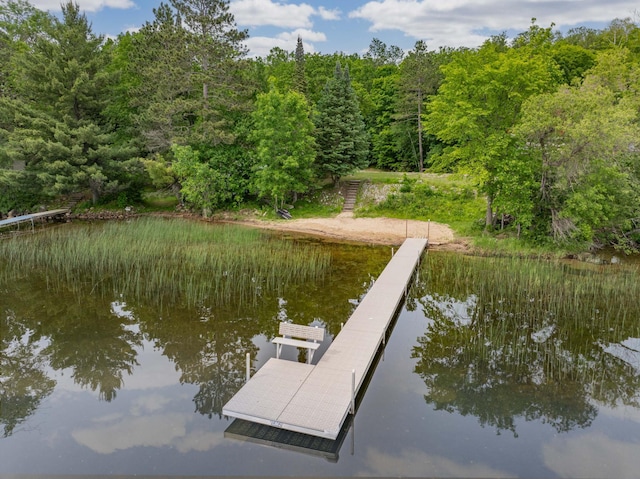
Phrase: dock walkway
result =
(30, 218)
(316, 400)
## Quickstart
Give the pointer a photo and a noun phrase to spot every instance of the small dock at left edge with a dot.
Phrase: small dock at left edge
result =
(31, 218)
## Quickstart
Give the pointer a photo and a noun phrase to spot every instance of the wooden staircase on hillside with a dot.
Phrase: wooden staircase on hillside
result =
(74, 199)
(353, 186)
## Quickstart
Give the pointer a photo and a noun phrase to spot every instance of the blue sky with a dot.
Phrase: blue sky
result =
(327, 26)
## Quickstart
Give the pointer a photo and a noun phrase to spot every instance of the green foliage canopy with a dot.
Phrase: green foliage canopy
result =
(57, 127)
(479, 103)
(285, 146)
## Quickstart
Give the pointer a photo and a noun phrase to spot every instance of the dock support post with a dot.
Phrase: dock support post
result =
(428, 229)
(248, 366)
(353, 436)
(353, 392)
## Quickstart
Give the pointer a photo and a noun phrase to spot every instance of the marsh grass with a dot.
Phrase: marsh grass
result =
(164, 260)
(553, 316)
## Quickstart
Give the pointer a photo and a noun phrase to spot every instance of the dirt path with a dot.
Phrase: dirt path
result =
(368, 230)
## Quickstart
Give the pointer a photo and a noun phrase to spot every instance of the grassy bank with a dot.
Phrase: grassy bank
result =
(449, 199)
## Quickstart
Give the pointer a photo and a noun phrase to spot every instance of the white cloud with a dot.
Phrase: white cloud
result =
(85, 5)
(306, 35)
(198, 441)
(418, 463)
(592, 455)
(146, 424)
(131, 29)
(327, 14)
(465, 22)
(268, 12)
(158, 430)
(261, 46)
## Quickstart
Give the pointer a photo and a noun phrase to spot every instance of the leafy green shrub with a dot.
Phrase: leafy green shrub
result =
(407, 184)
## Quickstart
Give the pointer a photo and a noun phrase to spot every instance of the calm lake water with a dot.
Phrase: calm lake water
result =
(472, 383)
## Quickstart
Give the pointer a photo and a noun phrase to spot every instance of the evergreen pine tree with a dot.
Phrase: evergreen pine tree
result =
(58, 129)
(420, 78)
(161, 96)
(215, 47)
(299, 80)
(189, 64)
(341, 136)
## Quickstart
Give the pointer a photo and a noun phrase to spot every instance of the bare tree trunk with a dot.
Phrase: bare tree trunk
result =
(420, 152)
(489, 215)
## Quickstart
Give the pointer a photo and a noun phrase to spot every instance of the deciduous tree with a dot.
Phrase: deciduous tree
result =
(285, 147)
(582, 139)
(479, 103)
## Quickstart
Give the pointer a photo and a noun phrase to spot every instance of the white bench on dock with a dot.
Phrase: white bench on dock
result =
(290, 332)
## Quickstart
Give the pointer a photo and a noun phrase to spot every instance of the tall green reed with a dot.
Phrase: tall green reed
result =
(557, 316)
(163, 260)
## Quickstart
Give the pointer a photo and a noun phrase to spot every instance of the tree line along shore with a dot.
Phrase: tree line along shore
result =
(543, 127)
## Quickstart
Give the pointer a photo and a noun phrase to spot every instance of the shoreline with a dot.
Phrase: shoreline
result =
(381, 230)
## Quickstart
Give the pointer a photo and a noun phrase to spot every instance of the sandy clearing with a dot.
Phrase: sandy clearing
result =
(367, 230)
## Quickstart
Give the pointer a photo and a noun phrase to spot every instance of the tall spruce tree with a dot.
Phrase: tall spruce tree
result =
(299, 79)
(59, 131)
(343, 143)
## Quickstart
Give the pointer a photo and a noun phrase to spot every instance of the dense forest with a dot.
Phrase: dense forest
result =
(546, 124)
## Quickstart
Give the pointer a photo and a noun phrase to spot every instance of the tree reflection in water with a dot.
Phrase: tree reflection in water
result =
(96, 335)
(23, 382)
(209, 348)
(97, 345)
(511, 339)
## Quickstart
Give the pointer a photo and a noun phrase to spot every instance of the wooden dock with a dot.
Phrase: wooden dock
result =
(32, 217)
(316, 400)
